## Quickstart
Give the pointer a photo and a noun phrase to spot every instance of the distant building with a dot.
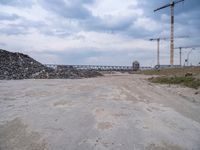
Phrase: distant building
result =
(136, 65)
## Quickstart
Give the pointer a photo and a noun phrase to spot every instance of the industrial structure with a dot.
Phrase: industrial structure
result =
(171, 5)
(158, 45)
(158, 48)
(135, 66)
(180, 52)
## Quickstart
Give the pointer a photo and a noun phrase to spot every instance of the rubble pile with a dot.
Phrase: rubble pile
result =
(20, 66)
(66, 74)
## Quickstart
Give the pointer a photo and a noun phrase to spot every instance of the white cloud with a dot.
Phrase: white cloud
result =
(147, 24)
(117, 8)
(106, 26)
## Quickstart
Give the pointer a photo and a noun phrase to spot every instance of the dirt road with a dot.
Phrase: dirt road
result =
(121, 112)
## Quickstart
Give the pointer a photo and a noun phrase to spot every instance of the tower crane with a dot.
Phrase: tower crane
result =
(158, 45)
(186, 47)
(158, 48)
(171, 5)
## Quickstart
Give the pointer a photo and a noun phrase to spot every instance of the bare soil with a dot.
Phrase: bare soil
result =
(113, 112)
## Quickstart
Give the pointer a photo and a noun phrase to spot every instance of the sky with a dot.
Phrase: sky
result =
(97, 32)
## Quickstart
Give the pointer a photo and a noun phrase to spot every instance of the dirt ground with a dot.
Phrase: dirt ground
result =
(114, 112)
(195, 71)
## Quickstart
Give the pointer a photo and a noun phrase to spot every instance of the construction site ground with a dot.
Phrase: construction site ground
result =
(114, 112)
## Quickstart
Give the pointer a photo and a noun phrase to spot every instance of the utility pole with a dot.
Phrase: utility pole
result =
(171, 5)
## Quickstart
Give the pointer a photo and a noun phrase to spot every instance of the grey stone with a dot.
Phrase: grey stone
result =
(14, 66)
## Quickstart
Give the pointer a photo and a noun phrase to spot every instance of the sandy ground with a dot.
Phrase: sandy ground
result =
(121, 112)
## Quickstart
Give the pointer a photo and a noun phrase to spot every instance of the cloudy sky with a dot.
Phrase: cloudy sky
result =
(104, 32)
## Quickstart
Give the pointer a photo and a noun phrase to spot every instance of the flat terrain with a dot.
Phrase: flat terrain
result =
(174, 71)
(115, 112)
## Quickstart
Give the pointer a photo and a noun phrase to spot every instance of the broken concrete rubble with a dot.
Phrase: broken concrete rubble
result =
(20, 66)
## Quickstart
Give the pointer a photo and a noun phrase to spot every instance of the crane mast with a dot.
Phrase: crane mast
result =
(171, 5)
(185, 47)
(172, 35)
(158, 51)
(158, 44)
(158, 48)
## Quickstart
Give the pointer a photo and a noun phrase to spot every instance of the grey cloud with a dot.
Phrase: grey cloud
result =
(21, 27)
(2, 44)
(25, 23)
(75, 10)
(10, 17)
(65, 10)
(18, 3)
(80, 56)
(99, 24)
(57, 33)
(190, 18)
(13, 31)
(70, 9)
(186, 15)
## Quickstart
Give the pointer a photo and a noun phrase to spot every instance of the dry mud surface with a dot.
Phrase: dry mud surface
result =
(121, 112)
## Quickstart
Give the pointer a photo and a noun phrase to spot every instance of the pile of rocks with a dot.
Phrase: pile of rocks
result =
(20, 66)
(66, 74)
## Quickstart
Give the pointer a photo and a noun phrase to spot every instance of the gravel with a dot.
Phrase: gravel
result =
(15, 66)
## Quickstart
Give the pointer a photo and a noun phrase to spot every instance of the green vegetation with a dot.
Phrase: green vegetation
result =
(173, 71)
(186, 76)
(186, 81)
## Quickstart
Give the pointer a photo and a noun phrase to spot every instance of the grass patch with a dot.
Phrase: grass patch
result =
(190, 82)
(172, 71)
